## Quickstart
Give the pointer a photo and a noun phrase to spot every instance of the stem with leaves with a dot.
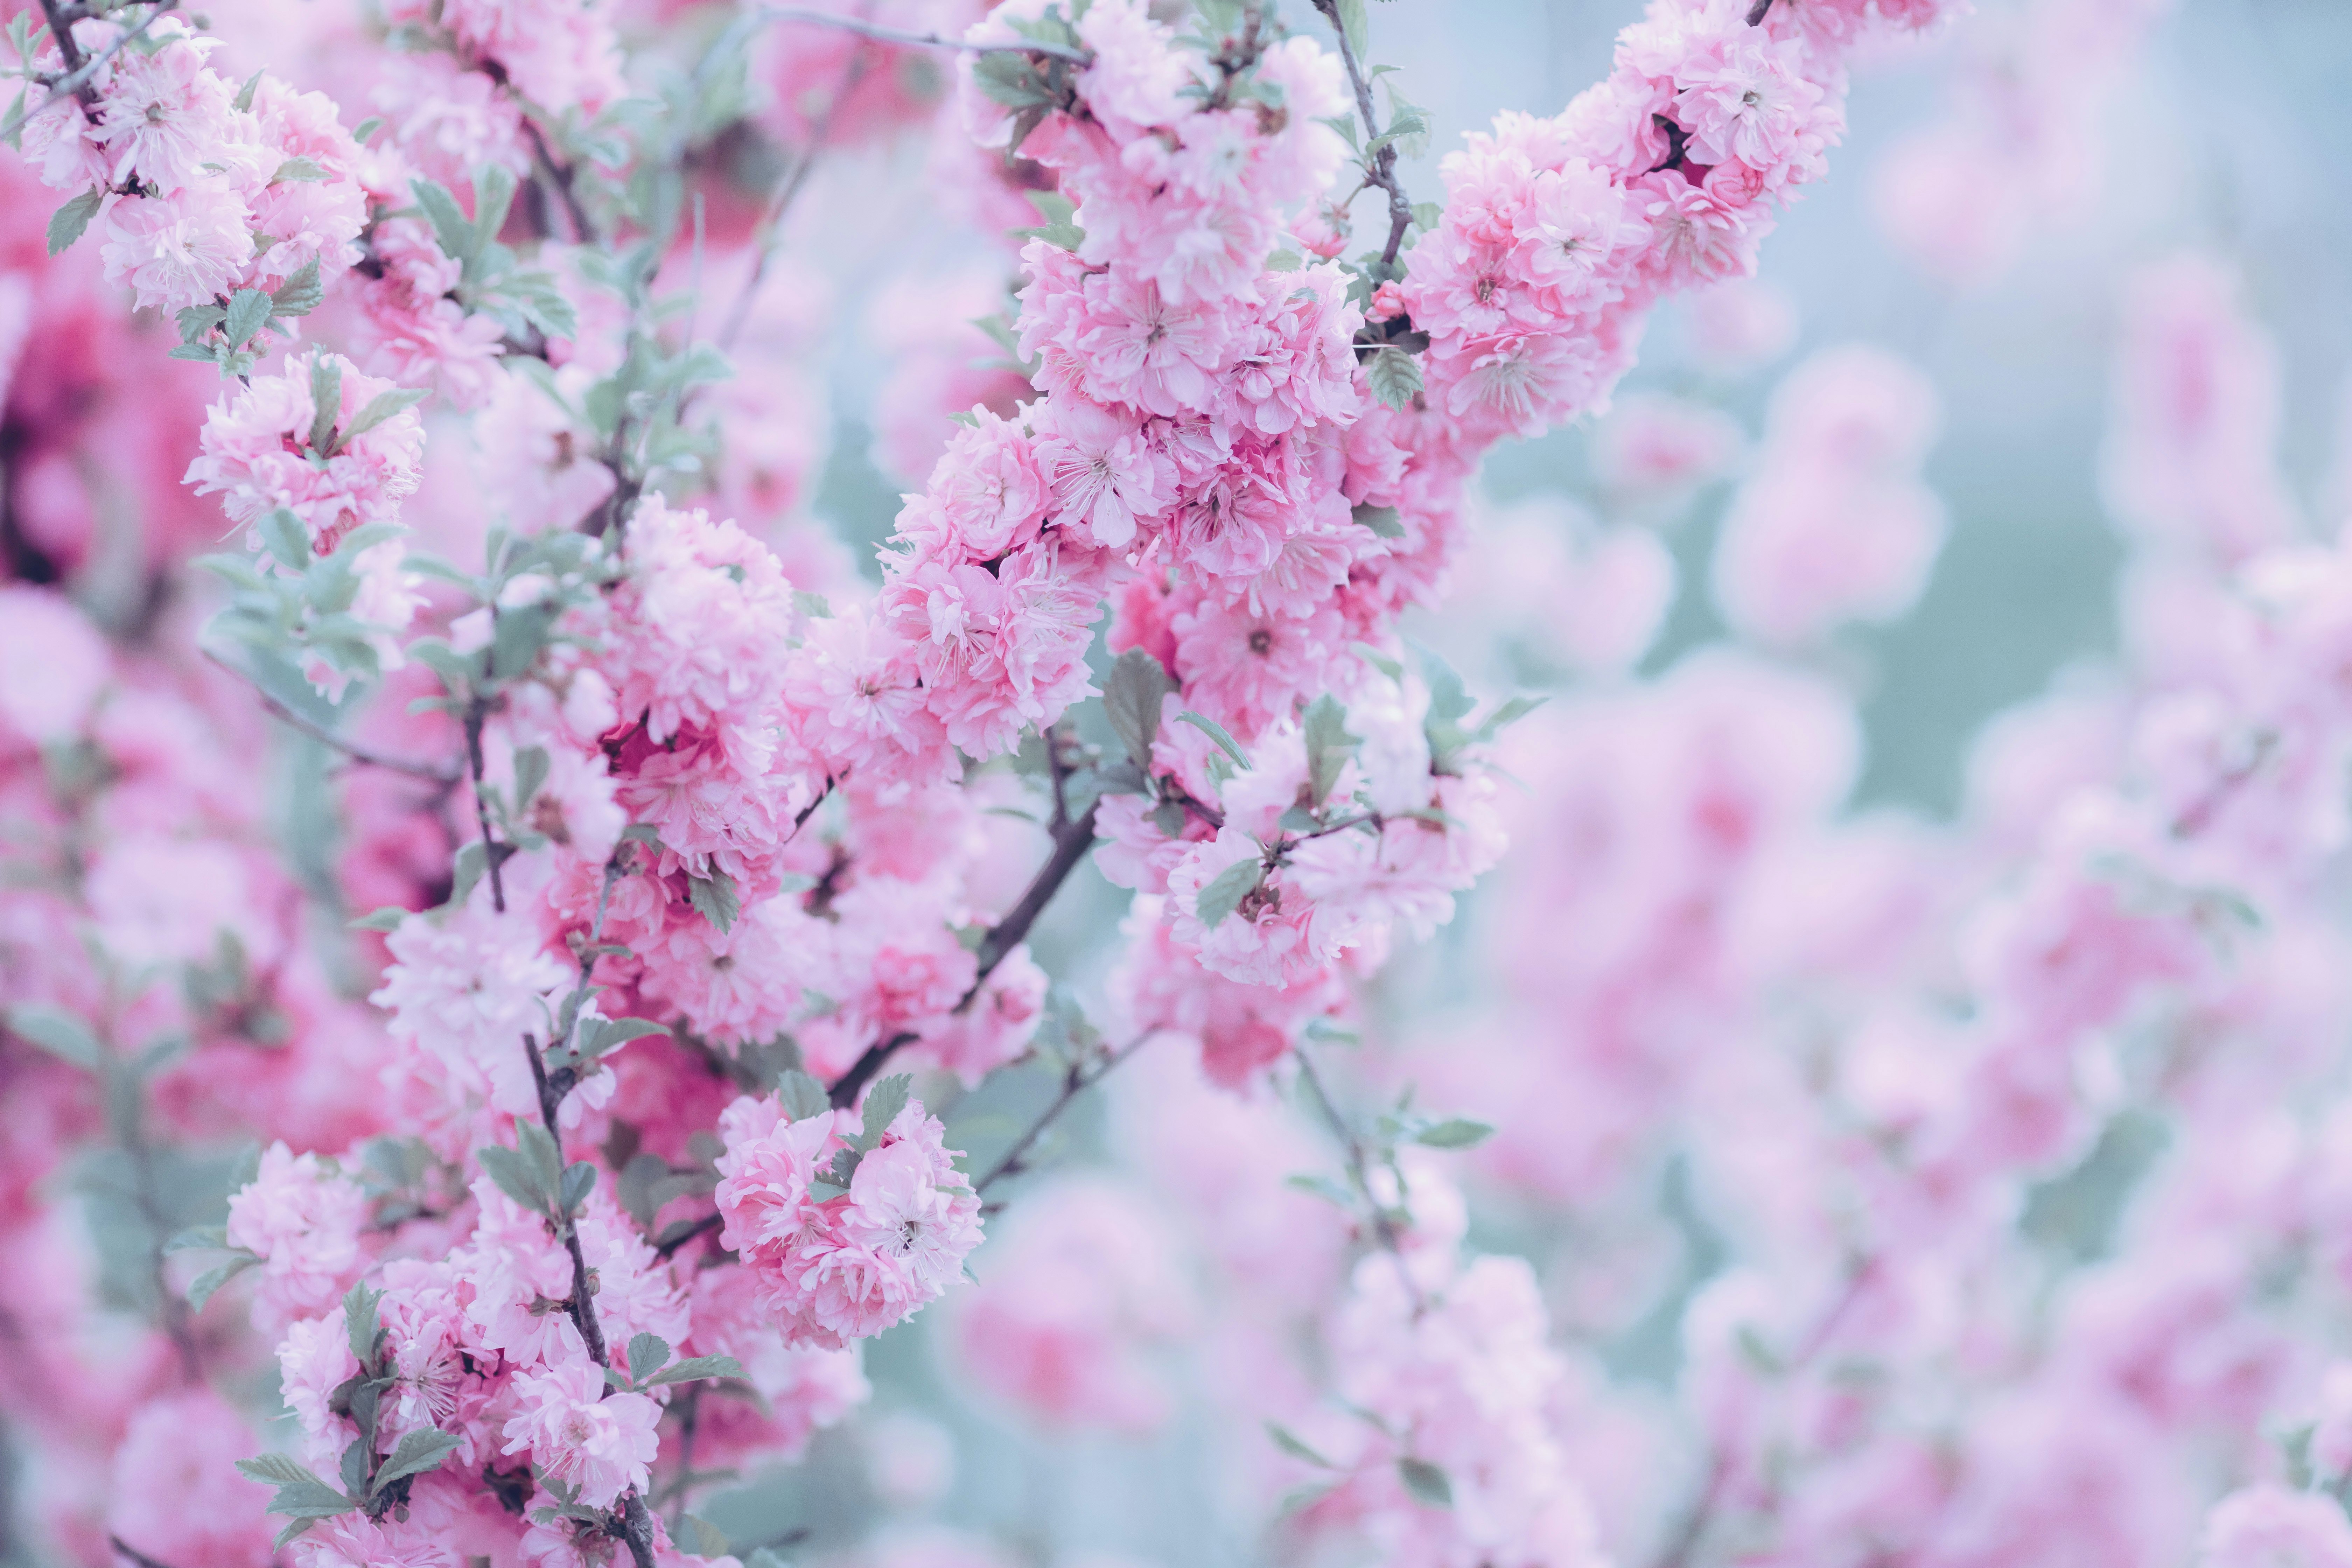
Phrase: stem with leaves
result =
(1071, 843)
(1380, 169)
(76, 81)
(1359, 1175)
(1076, 1081)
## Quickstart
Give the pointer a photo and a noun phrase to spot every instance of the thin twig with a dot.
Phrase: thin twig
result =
(1070, 847)
(702, 1226)
(768, 231)
(1359, 1171)
(76, 82)
(326, 737)
(1758, 12)
(493, 851)
(1380, 170)
(561, 176)
(881, 34)
(1074, 1082)
(134, 1554)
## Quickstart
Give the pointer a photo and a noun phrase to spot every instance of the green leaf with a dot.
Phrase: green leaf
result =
(694, 1370)
(883, 1103)
(383, 406)
(249, 312)
(513, 1175)
(715, 898)
(452, 230)
(1290, 1443)
(288, 539)
(1328, 746)
(298, 295)
(515, 645)
(366, 129)
(494, 192)
(1454, 1132)
(200, 1239)
(1352, 25)
(1058, 229)
(1223, 896)
(326, 400)
(1511, 712)
(385, 919)
(1132, 699)
(200, 1288)
(579, 1180)
(67, 224)
(1427, 214)
(649, 1354)
(1381, 520)
(244, 100)
(700, 1538)
(297, 169)
(1427, 1482)
(466, 871)
(56, 1031)
(418, 1451)
(360, 1321)
(801, 1094)
(529, 773)
(1393, 375)
(278, 1469)
(610, 1033)
(1216, 731)
(541, 1153)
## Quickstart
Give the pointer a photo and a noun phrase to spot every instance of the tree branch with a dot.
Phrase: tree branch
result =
(326, 737)
(1359, 1173)
(1070, 847)
(702, 1226)
(76, 82)
(1074, 1082)
(1380, 170)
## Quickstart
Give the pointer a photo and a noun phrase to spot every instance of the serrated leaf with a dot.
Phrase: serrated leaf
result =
(1381, 520)
(801, 1094)
(285, 537)
(883, 1103)
(1132, 699)
(61, 1034)
(1224, 894)
(278, 1469)
(610, 1033)
(1393, 375)
(383, 406)
(326, 400)
(715, 898)
(1454, 1132)
(1328, 746)
(1427, 1482)
(539, 1152)
(694, 1370)
(248, 311)
(649, 1354)
(360, 1321)
(418, 1452)
(1352, 25)
(297, 169)
(579, 1180)
(68, 222)
(202, 1288)
(1217, 732)
(298, 295)
(513, 1175)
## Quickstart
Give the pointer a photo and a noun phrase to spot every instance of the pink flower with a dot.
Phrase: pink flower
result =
(182, 249)
(303, 1222)
(177, 1495)
(1108, 479)
(2267, 1526)
(600, 1443)
(259, 452)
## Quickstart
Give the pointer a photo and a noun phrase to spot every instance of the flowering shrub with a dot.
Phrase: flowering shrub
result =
(521, 956)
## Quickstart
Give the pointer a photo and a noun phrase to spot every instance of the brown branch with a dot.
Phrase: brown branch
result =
(1070, 847)
(493, 851)
(1380, 170)
(134, 1554)
(1758, 12)
(79, 77)
(563, 177)
(702, 1226)
(1074, 1082)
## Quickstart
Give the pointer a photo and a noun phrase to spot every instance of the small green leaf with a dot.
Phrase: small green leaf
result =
(1454, 1132)
(249, 312)
(1352, 25)
(288, 539)
(649, 1354)
(298, 295)
(1427, 1482)
(883, 1103)
(513, 1175)
(1216, 731)
(1223, 896)
(360, 1321)
(1131, 701)
(383, 406)
(56, 1031)
(579, 1180)
(243, 102)
(297, 169)
(67, 224)
(419, 1451)
(801, 1094)
(1290, 1443)
(694, 1370)
(610, 1033)
(1393, 375)
(1328, 746)
(715, 898)
(1058, 229)
(385, 919)
(530, 768)
(1381, 520)
(326, 398)
(200, 1288)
